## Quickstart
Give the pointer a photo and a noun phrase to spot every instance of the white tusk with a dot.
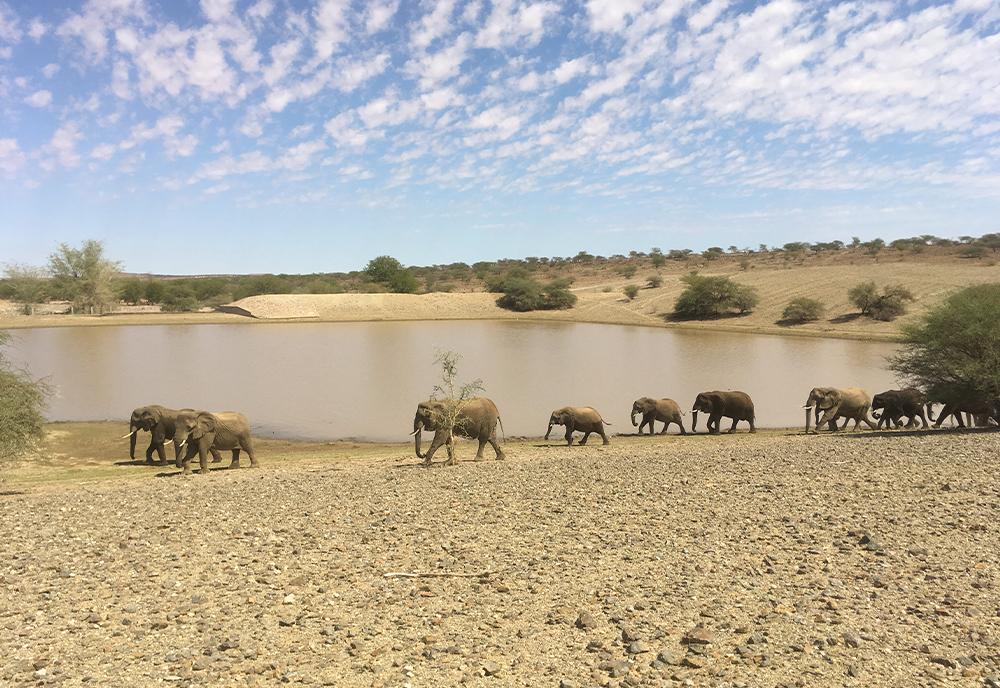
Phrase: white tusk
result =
(414, 432)
(182, 444)
(807, 406)
(129, 435)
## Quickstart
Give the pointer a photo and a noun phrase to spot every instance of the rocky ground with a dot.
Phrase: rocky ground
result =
(855, 560)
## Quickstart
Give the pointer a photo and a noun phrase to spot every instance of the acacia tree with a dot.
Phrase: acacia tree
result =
(22, 401)
(953, 352)
(452, 394)
(27, 285)
(84, 276)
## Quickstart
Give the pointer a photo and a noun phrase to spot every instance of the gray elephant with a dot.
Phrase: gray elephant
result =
(851, 403)
(978, 411)
(581, 419)
(205, 432)
(664, 410)
(891, 406)
(159, 422)
(476, 419)
(719, 405)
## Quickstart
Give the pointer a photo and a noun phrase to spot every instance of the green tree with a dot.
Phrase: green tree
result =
(382, 269)
(22, 404)
(657, 258)
(713, 252)
(84, 276)
(132, 291)
(953, 351)
(654, 281)
(631, 291)
(888, 305)
(863, 296)
(403, 282)
(711, 297)
(26, 285)
(802, 310)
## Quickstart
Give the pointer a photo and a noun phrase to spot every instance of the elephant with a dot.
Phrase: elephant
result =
(978, 411)
(477, 420)
(578, 418)
(735, 405)
(890, 406)
(664, 410)
(159, 422)
(851, 403)
(206, 432)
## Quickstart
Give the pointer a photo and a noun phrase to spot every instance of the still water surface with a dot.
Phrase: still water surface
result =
(363, 380)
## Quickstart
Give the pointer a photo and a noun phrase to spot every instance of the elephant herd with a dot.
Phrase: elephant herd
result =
(204, 433)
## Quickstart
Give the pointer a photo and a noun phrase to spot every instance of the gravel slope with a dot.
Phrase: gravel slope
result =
(854, 560)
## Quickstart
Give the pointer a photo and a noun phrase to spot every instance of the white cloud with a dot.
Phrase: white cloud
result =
(612, 15)
(50, 70)
(10, 26)
(380, 13)
(511, 22)
(331, 27)
(37, 28)
(434, 24)
(104, 151)
(62, 147)
(39, 99)
(11, 157)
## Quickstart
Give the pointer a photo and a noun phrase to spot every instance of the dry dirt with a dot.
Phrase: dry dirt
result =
(767, 560)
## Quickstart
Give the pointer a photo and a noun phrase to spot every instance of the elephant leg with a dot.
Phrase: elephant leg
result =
(586, 434)
(752, 427)
(482, 445)
(149, 451)
(569, 435)
(216, 456)
(247, 445)
(733, 428)
(681, 426)
(826, 419)
(185, 462)
(604, 437)
(714, 422)
(162, 454)
(864, 417)
(496, 447)
(203, 456)
(235, 463)
(435, 444)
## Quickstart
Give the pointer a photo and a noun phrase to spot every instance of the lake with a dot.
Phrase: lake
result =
(363, 380)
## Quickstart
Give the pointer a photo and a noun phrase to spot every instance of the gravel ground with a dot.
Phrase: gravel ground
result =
(854, 560)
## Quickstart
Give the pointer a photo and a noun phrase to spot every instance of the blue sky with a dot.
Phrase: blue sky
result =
(290, 136)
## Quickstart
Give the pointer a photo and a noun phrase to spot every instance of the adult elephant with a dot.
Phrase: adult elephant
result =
(159, 422)
(889, 407)
(205, 433)
(664, 410)
(719, 405)
(578, 419)
(476, 419)
(851, 403)
(978, 411)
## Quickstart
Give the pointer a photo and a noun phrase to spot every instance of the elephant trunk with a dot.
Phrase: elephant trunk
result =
(131, 439)
(694, 419)
(417, 427)
(930, 412)
(808, 411)
(549, 431)
(634, 424)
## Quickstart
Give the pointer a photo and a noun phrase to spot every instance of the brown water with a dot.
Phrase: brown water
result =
(363, 380)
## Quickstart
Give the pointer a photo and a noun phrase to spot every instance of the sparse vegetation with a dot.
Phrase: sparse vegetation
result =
(84, 276)
(631, 291)
(525, 294)
(450, 392)
(654, 282)
(389, 272)
(712, 297)
(802, 309)
(22, 401)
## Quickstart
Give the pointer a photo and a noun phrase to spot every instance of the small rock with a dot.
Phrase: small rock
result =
(852, 639)
(853, 670)
(491, 668)
(289, 599)
(586, 620)
(944, 661)
(637, 647)
(670, 657)
(694, 662)
(699, 635)
(629, 634)
(566, 683)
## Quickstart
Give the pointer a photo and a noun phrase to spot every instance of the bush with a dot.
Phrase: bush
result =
(631, 291)
(382, 268)
(178, 297)
(657, 258)
(711, 297)
(627, 271)
(525, 294)
(888, 305)
(654, 281)
(403, 282)
(22, 401)
(953, 352)
(802, 310)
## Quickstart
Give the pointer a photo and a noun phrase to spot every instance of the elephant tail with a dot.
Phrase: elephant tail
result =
(503, 433)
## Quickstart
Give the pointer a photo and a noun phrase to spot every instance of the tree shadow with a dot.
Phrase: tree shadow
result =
(789, 322)
(845, 318)
(676, 318)
(137, 462)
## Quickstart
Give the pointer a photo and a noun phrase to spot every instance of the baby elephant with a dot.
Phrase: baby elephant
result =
(664, 410)
(203, 432)
(581, 418)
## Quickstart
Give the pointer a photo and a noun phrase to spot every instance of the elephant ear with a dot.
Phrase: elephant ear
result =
(151, 417)
(205, 422)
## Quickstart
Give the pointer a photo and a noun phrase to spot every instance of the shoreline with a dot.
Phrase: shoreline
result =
(218, 318)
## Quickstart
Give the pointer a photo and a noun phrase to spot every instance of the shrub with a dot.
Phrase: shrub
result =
(654, 281)
(627, 271)
(631, 291)
(802, 310)
(711, 297)
(382, 268)
(83, 275)
(22, 401)
(178, 298)
(403, 282)
(888, 305)
(657, 257)
(953, 352)
(525, 294)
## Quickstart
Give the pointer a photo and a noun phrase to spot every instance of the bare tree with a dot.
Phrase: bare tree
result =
(452, 394)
